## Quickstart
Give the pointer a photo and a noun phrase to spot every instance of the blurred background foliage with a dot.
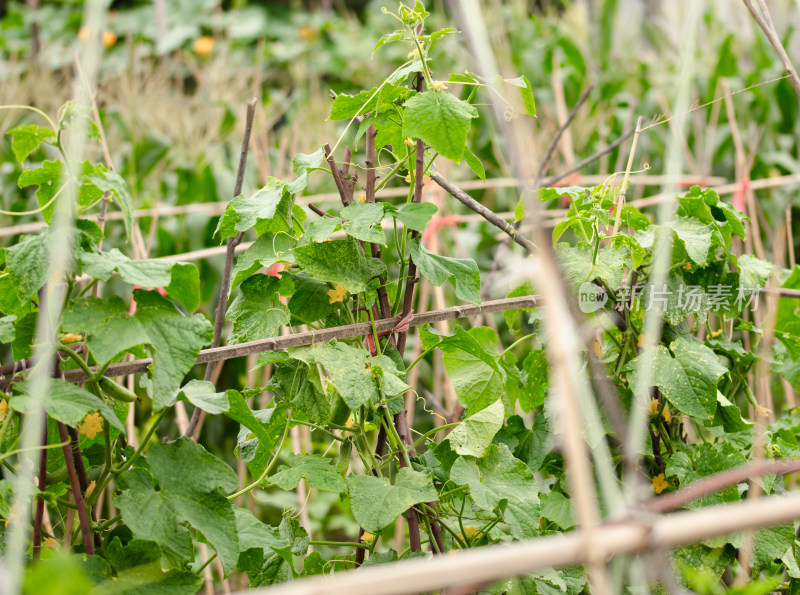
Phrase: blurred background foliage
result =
(176, 75)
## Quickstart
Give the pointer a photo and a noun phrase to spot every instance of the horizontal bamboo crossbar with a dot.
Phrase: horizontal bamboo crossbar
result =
(489, 563)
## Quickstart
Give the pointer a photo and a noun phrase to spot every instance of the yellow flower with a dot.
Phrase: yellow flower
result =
(84, 33)
(659, 483)
(71, 338)
(13, 513)
(305, 32)
(666, 415)
(50, 543)
(653, 406)
(203, 45)
(715, 333)
(471, 533)
(367, 538)
(408, 179)
(361, 197)
(763, 411)
(89, 489)
(109, 38)
(92, 425)
(409, 142)
(3, 409)
(413, 53)
(438, 85)
(336, 295)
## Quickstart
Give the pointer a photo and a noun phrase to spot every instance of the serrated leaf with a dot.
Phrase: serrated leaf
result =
(440, 120)
(462, 273)
(346, 106)
(475, 433)
(341, 262)
(263, 253)
(26, 139)
(416, 215)
(695, 236)
(257, 311)
(388, 38)
(315, 469)
(753, 272)
(111, 182)
(46, 178)
(376, 502)
(321, 229)
(65, 402)
(688, 380)
(153, 506)
(174, 342)
(269, 210)
(350, 373)
(27, 262)
(7, 328)
(363, 221)
(556, 508)
(310, 301)
(302, 390)
(498, 476)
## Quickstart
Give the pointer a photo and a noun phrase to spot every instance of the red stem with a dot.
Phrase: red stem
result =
(77, 494)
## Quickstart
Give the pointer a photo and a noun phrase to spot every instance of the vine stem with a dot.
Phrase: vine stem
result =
(270, 465)
(77, 493)
(219, 315)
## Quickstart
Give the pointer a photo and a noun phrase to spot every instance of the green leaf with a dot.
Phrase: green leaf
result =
(416, 215)
(315, 469)
(264, 252)
(376, 502)
(269, 210)
(181, 280)
(26, 139)
(26, 262)
(471, 361)
(310, 301)
(350, 372)
(578, 268)
(138, 571)
(387, 38)
(688, 380)
(556, 508)
(257, 311)
(526, 93)
(475, 433)
(175, 341)
(202, 394)
(7, 328)
(729, 416)
(65, 402)
(363, 221)
(154, 505)
(346, 106)
(474, 163)
(321, 229)
(440, 120)
(462, 273)
(695, 236)
(753, 273)
(46, 178)
(341, 262)
(108, 327)
(111, 182)
(496, 477)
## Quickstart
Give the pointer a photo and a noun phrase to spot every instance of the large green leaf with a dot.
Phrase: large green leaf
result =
(181, 280)
(688, 380)
(65, 402)
(269, 210)
(695, 236)
(174, 342)
(310, 301)
(111, 182)
(265, 251)
(26, 262)
(108, 328)
(498, 476)
(350, 372)
(341, 262)
(315, 469)
(138, 571)
(154, 505)
(346, 106)
(440, 120)
(302, 390)
(475, 433)
(462, 273)
(376, 502)
(27, 138)
(471, 360)
(363, 221)
(257, 311)
(578, 267)
(46, 178)
(416, 215)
